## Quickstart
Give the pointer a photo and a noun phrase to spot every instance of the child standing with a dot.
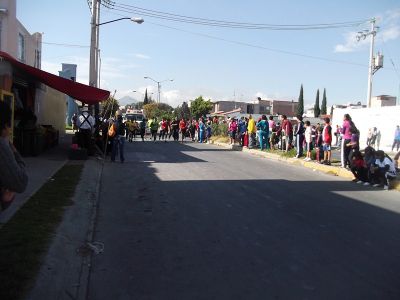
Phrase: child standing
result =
(327, 141)
(308, 138)
(318, 144)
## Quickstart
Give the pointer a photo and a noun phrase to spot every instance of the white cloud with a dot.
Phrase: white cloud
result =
(389, 30)
(142, 56)
(351, 44)
(391, 33)
(172, 97)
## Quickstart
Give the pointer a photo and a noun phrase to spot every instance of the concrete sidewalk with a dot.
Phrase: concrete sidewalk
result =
(333, 170)
(40, 169)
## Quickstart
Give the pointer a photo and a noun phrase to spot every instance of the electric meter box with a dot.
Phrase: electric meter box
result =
(379, 61)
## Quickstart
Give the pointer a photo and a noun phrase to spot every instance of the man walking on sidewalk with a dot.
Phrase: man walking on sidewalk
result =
(119, 140)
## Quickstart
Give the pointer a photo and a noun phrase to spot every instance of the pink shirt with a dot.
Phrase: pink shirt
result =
(346, 130)
(271, 124)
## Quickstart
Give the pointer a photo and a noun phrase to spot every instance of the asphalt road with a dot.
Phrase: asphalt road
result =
(194, 221)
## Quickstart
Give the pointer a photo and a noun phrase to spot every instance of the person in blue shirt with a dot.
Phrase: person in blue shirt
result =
(263, 132)
(396, 142)
(202, 128)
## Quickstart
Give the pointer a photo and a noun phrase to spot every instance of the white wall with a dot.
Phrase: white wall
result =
(384, 118)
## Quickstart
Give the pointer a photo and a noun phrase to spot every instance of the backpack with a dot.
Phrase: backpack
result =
(112, 130)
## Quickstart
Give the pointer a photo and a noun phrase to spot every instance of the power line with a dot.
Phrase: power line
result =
(227, 24)
(262, 47)
(66, 45)
(390, 57)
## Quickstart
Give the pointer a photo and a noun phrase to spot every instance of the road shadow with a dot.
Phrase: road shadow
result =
(241, 239)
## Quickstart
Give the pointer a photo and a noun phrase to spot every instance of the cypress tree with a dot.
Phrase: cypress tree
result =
(323, 105)
(317, 110)
(146, 100)
(300, 105)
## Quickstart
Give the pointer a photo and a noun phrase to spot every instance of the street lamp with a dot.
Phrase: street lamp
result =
(158, 85)
(136, 20)
(94, 46)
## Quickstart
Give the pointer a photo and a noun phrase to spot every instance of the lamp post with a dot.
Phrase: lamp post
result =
(94, 47)
(158, 85)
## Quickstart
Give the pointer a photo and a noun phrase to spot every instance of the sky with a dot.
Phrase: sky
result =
(224, 63)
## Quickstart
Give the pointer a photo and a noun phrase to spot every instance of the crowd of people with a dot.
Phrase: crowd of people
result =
(264, 133)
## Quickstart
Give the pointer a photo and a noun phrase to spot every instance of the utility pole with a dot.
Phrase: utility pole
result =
(371, 62)
(375, 63)
(94, 46)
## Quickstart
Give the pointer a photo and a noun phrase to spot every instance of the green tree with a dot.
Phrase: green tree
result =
(109, 107)
(158, 110)
(323, 104)
(300, 105)
(199, 107)
(317, 110)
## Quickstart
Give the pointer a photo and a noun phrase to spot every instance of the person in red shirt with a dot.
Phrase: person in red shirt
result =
(327, 141)
(358, 167)
(182, 129)
(287, 133)
(163, 130)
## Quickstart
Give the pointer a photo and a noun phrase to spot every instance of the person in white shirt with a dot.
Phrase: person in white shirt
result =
(383, 169)
(86, 124)
(308, 138)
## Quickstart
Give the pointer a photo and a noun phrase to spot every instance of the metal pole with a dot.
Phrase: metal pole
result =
(94, 55)
(159, 91)
(371, 62)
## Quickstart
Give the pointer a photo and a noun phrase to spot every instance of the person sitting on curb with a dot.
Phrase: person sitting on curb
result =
(383, 169)
(13, 176)
(369, 159)
(358, 168)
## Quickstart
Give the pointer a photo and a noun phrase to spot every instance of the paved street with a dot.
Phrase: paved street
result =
(196, 221)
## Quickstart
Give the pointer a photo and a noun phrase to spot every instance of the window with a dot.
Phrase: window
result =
(21, 47)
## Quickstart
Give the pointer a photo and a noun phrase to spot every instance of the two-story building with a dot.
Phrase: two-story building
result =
(258, 107)
(38, 99)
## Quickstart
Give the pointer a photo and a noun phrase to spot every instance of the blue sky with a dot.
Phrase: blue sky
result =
(214, 62)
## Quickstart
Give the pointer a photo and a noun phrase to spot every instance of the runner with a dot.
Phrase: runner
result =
(174, 129)
(182, 129)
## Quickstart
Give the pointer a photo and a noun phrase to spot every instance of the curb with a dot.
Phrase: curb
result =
(332, 170)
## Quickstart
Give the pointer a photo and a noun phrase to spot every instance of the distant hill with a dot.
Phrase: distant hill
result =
(127, 100)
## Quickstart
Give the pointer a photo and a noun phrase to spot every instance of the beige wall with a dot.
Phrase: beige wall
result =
(10, 30)
(51, 107)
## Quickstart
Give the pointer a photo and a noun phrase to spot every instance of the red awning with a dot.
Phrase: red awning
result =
(84, 93)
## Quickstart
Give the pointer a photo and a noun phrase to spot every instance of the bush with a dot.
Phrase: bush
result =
(219, 129)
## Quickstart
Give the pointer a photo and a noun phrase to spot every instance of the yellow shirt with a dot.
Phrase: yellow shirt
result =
(251, 127)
